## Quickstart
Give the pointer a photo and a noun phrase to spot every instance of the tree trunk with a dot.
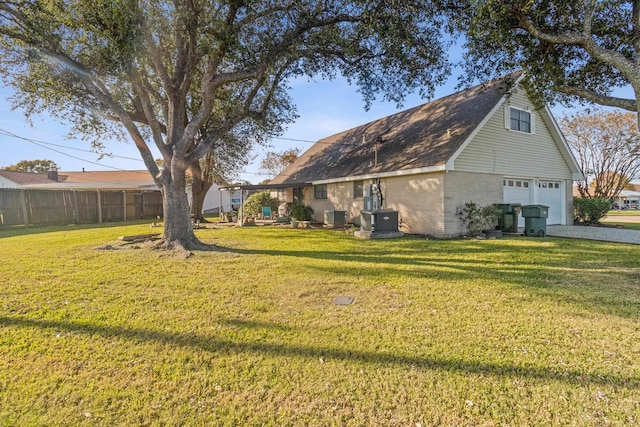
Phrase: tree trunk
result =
(178, 229)
(199, 188)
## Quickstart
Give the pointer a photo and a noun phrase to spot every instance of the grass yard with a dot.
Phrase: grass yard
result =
(516, 331)
(629, 219)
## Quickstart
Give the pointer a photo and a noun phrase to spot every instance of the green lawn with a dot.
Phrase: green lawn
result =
(627, 212)
(516, 331)
(614, 218)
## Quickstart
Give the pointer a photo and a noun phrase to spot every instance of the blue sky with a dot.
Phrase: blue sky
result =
(324, 107)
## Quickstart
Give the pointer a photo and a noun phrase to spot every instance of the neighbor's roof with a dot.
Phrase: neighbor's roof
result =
(138, 179)
(421, 137)
(25, 178)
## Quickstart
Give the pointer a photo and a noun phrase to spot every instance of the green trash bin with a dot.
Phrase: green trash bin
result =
(508, 221)
(535, 220)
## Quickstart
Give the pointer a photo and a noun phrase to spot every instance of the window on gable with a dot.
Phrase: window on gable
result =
(520, 120)
(358, 189)
(320, 191)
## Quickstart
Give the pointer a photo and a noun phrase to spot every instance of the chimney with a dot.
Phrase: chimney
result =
(52, 175)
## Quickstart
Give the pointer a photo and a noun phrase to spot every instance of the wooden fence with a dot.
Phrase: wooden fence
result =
(33, 207)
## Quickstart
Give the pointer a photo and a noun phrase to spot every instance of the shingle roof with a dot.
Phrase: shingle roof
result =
(137, 179)
(421, 137)
(26, 178)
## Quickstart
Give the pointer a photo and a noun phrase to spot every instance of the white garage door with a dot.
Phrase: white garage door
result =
(518, 191)
(550, 194)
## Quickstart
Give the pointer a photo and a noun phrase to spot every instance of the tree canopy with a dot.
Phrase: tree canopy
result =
(184, 75)
(275, 162)
(607, 147)
(569, 50)
(37, 166)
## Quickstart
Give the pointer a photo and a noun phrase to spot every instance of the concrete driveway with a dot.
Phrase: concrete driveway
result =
(605, 234)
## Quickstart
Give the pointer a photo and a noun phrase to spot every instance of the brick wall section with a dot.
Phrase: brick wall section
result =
(568, 186)
(463, 187)
(418, 200)
(426, 203)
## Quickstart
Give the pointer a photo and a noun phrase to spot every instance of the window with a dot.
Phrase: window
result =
(515, 183)
(520, 120)
(358, 189)
(320, 191)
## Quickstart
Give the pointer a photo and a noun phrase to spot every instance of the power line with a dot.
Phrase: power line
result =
(36, 141)
(296, 140)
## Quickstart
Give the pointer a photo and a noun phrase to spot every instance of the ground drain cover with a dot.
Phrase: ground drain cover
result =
(343, 300)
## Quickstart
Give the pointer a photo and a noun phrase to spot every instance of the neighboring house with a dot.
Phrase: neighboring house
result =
(627, 199)
(487, 144)
(95, 180)
(103, 180)
(16, 179)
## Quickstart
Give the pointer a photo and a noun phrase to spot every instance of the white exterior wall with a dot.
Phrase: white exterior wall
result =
(212, 199)
(7, 183)
(497, 150)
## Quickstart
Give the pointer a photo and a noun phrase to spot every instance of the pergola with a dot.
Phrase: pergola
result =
(257, 187)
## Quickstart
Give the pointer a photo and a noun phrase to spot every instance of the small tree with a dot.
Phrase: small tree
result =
(476, 218)
(274, 163)
(607, 146)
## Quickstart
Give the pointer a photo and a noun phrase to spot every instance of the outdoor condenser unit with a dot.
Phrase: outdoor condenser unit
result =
(378, 221)
(335, 219)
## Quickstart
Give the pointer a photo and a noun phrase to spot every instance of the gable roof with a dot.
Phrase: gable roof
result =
(26, 178)
(421, 138)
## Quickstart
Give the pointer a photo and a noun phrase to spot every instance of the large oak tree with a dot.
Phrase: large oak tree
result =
(166, 70)
(569, 49)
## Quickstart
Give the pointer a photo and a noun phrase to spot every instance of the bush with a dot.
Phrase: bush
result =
(590, 210)
(477, 218)
(253, 205)
(301, 212)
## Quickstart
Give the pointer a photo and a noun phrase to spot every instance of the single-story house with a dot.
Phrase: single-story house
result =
(18, 179)
(486, 144)
(96, 180)
(627, 199)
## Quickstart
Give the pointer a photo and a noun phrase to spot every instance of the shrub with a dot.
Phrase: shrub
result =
(254, 203)
(476, 218)
(590, 210)
(301, 212)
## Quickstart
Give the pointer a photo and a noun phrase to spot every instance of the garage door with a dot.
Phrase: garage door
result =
(518, 191)
(550, 194)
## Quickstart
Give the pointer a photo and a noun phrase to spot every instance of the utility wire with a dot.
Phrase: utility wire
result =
(37, 142)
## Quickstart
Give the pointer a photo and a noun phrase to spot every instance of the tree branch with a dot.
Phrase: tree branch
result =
(585, 41)
(595, 97)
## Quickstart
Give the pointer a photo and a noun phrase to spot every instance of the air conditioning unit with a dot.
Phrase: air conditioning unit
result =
(335, 219)
(378, 221)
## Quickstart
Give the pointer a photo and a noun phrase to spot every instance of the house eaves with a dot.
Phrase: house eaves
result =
(391, 174)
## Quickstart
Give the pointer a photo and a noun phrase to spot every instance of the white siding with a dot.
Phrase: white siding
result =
(497, 150)
(7, 183)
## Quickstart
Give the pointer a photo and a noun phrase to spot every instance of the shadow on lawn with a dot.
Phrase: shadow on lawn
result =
(21, 230)
(209, 344)
(562, 270)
